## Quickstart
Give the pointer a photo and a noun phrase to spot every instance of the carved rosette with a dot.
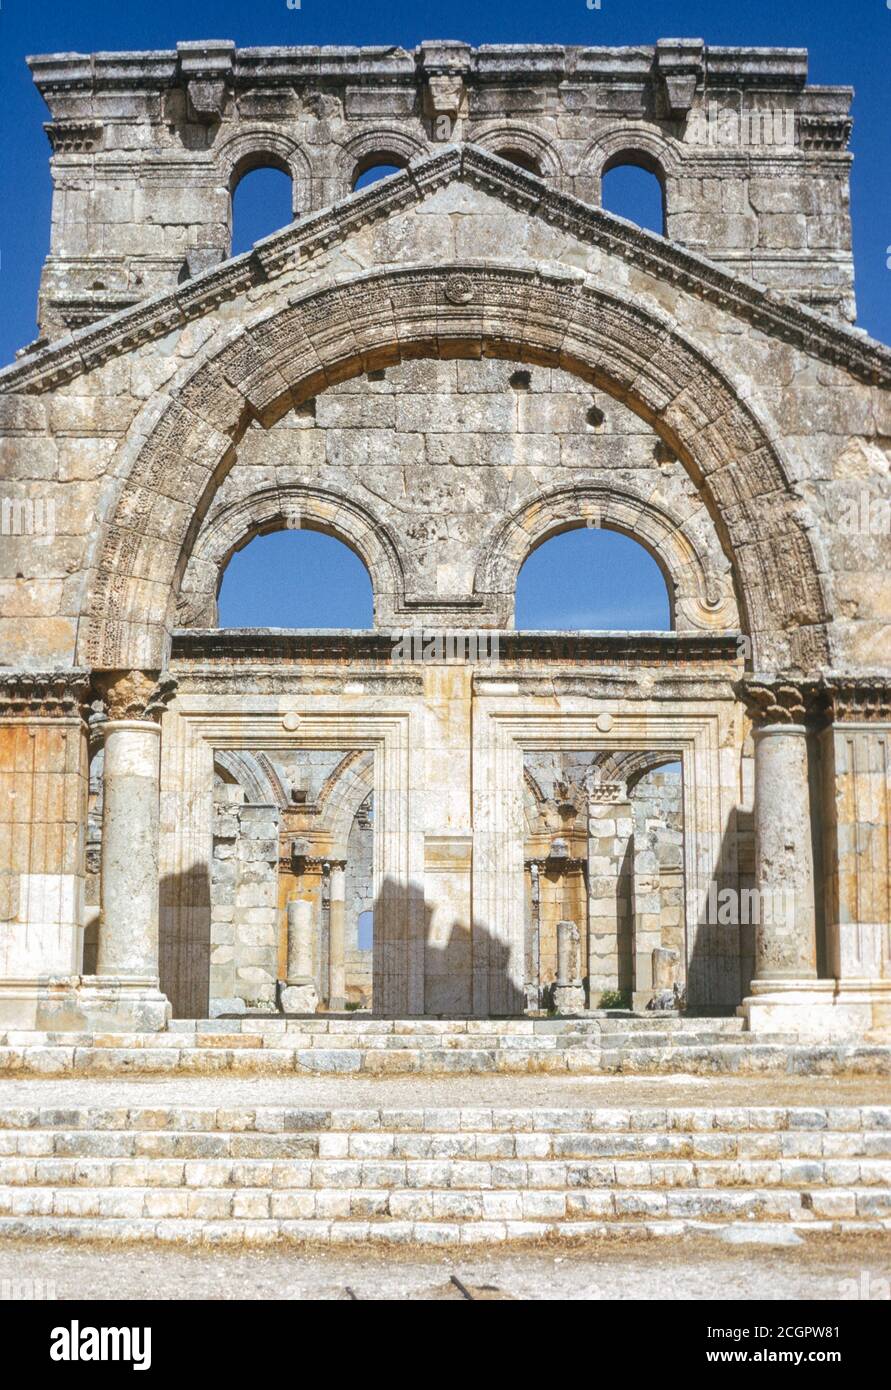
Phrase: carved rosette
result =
(134, 694)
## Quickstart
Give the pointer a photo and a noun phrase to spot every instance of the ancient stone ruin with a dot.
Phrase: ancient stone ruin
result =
(444, 816)
(446, 846)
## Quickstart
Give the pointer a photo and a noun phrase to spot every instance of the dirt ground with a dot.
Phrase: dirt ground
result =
(825, 1268)
(502, 1092)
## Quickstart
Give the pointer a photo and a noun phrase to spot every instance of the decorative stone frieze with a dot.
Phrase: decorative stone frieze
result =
(44, 694)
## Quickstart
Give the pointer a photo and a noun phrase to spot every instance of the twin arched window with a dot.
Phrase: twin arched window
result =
(581, 579)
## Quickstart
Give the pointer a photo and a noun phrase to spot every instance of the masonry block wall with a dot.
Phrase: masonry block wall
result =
(148, 147)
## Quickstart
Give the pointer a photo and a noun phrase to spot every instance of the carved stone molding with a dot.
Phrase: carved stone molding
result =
(134, 694)
(857, 699)
(44, 694)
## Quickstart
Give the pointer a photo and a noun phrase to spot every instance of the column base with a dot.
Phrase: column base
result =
(819, 1008)
(569, 999)
(299, 998)
(84, 1003)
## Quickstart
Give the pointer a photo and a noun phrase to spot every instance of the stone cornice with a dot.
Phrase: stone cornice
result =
(857, 699)
(87, 348)
(216, 649)
(60, 694)
(772, 69)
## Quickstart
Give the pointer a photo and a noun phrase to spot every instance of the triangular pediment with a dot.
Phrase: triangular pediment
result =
(300, 244)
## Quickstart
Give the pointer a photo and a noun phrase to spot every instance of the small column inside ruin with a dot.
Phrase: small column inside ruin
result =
(336, 941)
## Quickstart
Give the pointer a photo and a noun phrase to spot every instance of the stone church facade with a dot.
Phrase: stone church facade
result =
(444, 370)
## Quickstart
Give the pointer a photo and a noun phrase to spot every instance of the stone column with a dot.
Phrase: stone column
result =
(533, 968)
(610, 940)
(299, 994)
(336, 954)
(786, 993)
(569, 994)
(127, 983)
(128, 934)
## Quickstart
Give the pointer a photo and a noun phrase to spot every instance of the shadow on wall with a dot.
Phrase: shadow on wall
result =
(460, 962)
(466, 970)
(184, 941)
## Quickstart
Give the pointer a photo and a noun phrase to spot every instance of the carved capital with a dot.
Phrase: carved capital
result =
(134, 694)
(779, 699)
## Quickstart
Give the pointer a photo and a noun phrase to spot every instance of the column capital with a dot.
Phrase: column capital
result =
(134, 695)
(780, 699)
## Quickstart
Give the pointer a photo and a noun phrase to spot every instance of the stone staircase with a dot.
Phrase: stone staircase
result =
(385, 1047)
(440, 1176)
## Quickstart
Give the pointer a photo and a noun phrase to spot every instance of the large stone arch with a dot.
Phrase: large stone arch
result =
(700, 597)
(274, 508)
(466, 310)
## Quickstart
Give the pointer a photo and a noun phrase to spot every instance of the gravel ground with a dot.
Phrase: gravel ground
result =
(822, 1268)
(505, 1092)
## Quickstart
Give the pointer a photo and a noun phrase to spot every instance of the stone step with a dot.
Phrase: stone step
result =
(618, 1022)
(466, 1208)
(253, 1232)
(256, 1174)
(285, 1162)
(296, 1040)
(223, 1053)
(812, 1123)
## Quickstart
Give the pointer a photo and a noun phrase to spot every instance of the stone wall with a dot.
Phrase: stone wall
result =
(147, 148)
(245, 935)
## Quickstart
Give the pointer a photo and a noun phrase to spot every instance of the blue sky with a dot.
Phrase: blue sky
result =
(849, 44)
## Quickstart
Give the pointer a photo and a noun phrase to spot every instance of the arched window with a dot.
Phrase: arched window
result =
(633, 187)
(296, 579)
(373, 170)
(592, 579)
(522, 159)
(262, 203)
